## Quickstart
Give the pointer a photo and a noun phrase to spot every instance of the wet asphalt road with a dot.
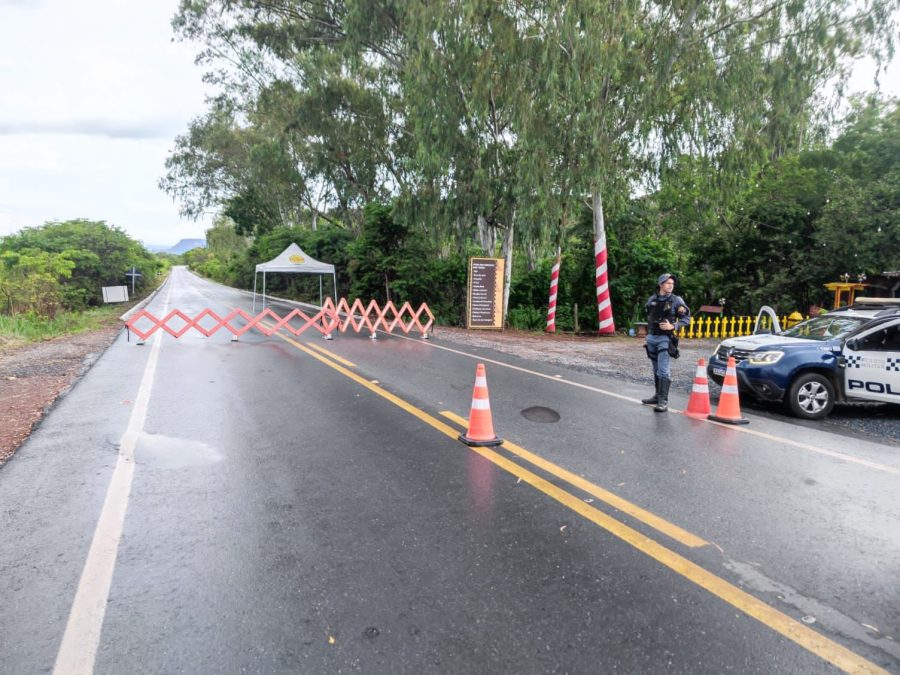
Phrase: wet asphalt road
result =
(301, 510)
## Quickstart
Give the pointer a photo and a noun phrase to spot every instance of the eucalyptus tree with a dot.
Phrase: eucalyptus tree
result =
(623, 88)
(221, 164)
(310, 79)
(370, 100)
(461, 84)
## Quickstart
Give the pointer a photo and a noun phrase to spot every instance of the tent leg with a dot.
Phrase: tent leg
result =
(254, 292)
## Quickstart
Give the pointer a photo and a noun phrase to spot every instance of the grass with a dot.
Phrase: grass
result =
(21, 329)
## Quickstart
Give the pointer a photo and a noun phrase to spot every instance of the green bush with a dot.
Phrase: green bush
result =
(527, 318)
(33, 327)
(100, 255)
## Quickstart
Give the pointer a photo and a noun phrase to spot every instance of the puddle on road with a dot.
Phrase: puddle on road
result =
(167, 452)
(538, 413)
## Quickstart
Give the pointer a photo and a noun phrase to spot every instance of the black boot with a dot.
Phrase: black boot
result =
(662, 405)
(653, 399)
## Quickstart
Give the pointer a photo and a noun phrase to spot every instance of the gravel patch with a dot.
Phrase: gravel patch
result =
(34, 376)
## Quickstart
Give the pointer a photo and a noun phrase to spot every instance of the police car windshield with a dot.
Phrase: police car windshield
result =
(826, 327)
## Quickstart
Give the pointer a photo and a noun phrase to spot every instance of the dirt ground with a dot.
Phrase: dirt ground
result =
(34, 376)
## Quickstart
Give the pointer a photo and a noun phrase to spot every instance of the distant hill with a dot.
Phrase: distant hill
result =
(186, 245)
(177, 249)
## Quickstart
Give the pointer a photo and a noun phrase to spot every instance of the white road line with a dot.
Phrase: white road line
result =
(739, 429)
(554, 378)
(81, 639)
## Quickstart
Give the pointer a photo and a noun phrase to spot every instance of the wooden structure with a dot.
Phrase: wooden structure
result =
(844, 292)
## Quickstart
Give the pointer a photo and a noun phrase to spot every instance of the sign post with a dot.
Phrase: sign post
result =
(484, 300)
(134, 274)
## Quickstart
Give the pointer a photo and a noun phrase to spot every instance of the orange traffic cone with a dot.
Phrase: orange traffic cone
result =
(481, 428)
(729, 410)
(698, 404)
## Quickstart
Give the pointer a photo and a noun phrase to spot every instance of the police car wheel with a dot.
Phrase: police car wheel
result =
(810, 396)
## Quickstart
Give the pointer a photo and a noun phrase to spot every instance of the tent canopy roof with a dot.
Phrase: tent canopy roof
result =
(293, 259)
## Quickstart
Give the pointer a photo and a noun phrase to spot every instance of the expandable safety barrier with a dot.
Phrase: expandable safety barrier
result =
(328, 319)
(371, 316)
(324, 321)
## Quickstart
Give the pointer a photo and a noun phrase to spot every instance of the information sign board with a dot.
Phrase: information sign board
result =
(115, 293)
(484, 302)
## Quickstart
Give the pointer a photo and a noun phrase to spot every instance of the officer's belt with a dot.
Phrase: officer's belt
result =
(655, 331)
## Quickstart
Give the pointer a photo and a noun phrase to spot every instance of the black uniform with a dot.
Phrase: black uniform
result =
(663, 344)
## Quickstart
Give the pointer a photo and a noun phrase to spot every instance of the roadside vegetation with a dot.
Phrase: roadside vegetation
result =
(396, 140)
(51, 279)
(21, 329)
(708, 139)
(806, 218)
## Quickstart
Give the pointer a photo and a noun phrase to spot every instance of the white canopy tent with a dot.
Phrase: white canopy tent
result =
(293, 260)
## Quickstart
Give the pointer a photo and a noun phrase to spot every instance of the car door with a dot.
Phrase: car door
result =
(873, 364)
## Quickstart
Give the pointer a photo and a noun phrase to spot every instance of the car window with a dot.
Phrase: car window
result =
(826, 327)
(886, 339)
(892, 340)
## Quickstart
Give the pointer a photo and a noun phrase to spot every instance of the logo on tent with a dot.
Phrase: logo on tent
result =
(298, 259)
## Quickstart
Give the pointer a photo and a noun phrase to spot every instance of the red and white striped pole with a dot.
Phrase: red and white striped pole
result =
(554, 284)
(604, 306)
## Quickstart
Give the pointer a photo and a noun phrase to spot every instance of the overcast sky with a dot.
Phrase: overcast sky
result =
(92, 95)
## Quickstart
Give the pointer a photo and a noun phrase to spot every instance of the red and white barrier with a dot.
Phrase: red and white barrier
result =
(371, 316)
(605, 323)
(326, 320)
(554, 285)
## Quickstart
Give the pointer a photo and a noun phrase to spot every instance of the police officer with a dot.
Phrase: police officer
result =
(666, 313)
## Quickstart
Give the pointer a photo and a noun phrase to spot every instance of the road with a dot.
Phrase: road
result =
(290, 504)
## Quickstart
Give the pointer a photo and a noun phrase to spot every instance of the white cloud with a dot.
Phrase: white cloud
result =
(866, 77)
(94, 93)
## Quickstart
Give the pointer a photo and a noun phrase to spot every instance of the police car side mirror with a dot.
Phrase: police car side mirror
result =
(853, 344)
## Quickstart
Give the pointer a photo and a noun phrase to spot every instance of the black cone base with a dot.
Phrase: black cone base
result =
(488, 443)
(725, 420)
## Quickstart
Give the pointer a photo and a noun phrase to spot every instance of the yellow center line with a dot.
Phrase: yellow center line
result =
(334, 356)
(654, 521)
(792, 629)
(737, 429)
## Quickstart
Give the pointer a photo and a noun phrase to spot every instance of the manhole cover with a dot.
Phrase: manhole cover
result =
(539, 413)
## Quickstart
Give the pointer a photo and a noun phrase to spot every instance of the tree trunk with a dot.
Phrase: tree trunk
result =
(507, 272)
(487, 236)
(531, 256)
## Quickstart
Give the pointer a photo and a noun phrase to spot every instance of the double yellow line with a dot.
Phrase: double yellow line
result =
(792, 629)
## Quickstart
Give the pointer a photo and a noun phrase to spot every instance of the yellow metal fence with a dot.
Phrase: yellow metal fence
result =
(728, 326)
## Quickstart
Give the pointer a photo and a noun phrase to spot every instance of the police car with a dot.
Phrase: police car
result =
(850, 354)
